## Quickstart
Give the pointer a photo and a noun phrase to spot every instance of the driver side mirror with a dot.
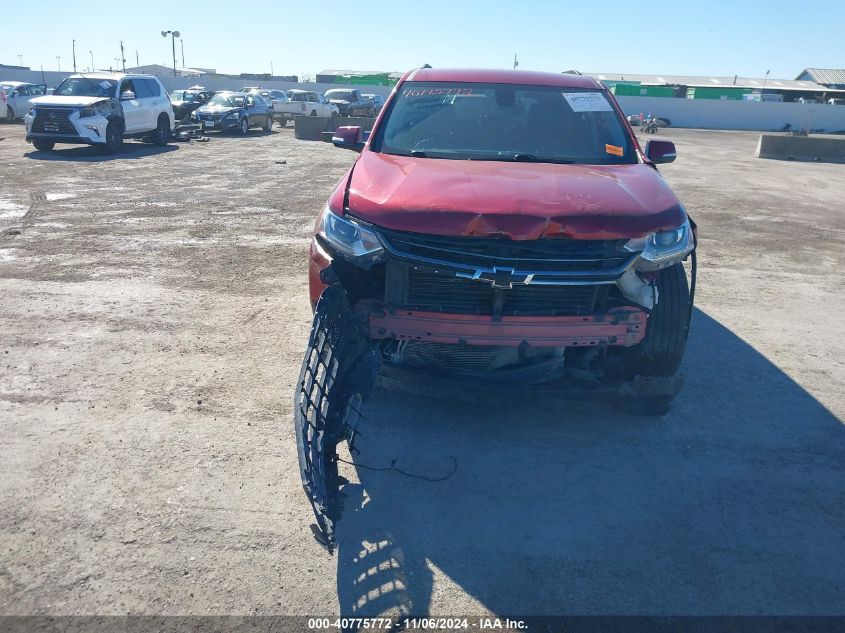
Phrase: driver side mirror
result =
(660, 152)
(349, 137)
(127, 95)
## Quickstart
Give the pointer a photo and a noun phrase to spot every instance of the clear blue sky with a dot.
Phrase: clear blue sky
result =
(698, 38)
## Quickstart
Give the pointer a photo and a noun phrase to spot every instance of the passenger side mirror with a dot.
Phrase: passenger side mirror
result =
(127, 95)
(349, 137)
(660, 151)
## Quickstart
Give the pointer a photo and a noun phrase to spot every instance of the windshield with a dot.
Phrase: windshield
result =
(86, 87)
(504, 122)
(181, 95)
(228, 101)
(343, 95)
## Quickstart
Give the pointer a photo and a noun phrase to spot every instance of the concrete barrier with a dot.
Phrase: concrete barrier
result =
(310, 128)
(824, 149)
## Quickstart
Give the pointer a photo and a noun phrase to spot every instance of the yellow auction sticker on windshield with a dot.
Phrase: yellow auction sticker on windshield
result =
(613, 149)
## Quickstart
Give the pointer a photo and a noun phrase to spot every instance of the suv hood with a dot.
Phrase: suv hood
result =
(67, 102)
(522, 201)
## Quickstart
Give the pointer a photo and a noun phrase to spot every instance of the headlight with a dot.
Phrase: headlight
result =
(663, 248)
(232, 115)
(352, 241)
(84, 113)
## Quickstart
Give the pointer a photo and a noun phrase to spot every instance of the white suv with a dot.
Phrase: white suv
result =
(101, 109)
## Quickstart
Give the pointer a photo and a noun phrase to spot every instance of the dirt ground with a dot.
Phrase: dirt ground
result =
(153, 315)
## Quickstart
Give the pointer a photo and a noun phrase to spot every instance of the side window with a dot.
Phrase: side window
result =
(250, 101)
(311, 97)
(127, 86)
(38, 90)
(142, 91)
(23, 91)
(153, 87)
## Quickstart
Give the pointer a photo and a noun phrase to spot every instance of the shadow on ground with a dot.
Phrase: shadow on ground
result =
(94, 154)
(734, 503)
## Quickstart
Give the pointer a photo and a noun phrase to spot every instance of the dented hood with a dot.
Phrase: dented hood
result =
(522, 201)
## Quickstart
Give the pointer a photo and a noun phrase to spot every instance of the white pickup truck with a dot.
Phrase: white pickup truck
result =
(303, 103)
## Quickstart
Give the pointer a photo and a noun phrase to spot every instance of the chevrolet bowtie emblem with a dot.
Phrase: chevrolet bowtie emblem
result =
(502, 278)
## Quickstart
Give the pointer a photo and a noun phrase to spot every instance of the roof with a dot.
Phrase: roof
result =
(825, 75)
(697, 81)
(520, 77)
(298, 91)
(17, 83)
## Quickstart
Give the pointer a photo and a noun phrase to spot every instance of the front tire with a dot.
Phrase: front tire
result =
(268, 125)
(244, 128)
(114, 137)
(43, 145)
(662, 350)
(161, 134)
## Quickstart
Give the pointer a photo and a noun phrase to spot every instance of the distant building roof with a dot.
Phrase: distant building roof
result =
(694, 81)
(160, 69)
(361, 73)
(825, 76)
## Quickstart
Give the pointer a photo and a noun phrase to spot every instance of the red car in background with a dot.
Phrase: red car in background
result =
(498, 226)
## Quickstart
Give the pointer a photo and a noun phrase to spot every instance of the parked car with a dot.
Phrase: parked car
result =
(305, 103)
(378, 102)
(101, 109)
(277, 98)
(184, 102)
(350, 102)
(514, 234)
(18, 97)
(235, 111)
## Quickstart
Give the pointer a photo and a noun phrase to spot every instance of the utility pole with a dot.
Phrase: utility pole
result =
(74, 55)
(91, 53)
(515, 63)
(122, 56)
(173, 35)
(182, 42)
(137, 63)
(271, 68)
(59, 62)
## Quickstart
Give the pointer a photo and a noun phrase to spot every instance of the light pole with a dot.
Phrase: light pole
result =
(59, 62)
(74, 55)
(173, 35)
(92, 60)
(766, 78)
(182, 43)
(20, 60)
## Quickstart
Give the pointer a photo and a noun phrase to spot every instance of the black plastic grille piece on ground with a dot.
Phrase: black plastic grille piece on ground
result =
(338, 371)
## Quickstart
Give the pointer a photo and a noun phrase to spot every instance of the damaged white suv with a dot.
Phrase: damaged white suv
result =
(101, 109)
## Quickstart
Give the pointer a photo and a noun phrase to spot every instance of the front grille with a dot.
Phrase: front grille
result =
(53, 121)
(543, 255)
(431, 292)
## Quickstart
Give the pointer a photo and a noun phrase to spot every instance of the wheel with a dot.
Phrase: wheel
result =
(10, 115)
(114, 137)
(244, 129)
(268, 124)
(283, 123)
(660, 353)
(43, 145)
(161, 134)
(313, 113)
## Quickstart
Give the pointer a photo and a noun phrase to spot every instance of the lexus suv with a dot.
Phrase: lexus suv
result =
(101, 109)
(503, 227)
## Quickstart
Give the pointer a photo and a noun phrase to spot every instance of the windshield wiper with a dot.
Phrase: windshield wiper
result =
(530, 158)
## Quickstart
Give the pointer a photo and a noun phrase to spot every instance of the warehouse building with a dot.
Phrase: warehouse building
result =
(722, 88)
(830, 77)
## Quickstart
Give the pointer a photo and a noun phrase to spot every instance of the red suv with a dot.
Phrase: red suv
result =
(501, 226)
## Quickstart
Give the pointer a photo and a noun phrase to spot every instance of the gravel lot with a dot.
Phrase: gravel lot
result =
(153, 316)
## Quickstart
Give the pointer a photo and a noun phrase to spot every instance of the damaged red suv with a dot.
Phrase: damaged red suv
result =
(497, 226)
